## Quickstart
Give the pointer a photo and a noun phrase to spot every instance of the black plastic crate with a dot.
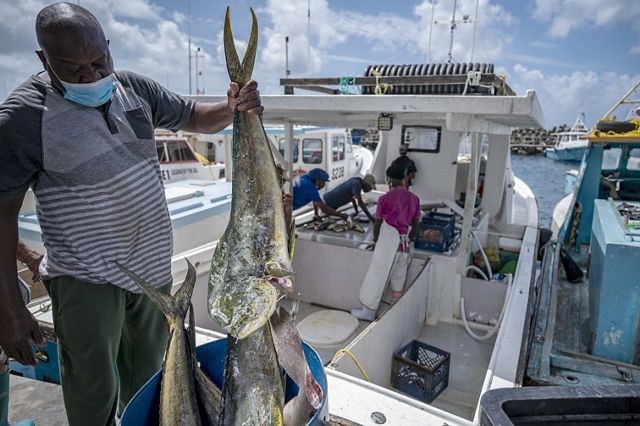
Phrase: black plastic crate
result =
(421, 370)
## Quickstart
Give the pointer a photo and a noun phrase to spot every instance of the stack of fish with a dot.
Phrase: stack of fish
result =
(250, 267)
(335, 226)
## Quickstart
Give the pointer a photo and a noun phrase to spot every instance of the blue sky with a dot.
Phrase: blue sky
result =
(577, 55)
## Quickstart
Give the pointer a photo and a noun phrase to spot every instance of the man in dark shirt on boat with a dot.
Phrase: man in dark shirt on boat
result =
(351, 191)
(305, 190)
(405, 163)
(81, 135)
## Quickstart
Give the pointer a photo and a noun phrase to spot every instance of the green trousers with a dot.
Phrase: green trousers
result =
(110, 342)
(4, 398)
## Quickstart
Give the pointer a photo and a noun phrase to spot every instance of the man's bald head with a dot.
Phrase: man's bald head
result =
(74, 47)
(59, 18)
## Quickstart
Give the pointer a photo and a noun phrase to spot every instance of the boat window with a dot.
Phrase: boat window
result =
(161, 153)
(296, 149)
(464, 149)
(179, 151)
(611, 158)
(349, 146)
(422, 138)
(312, 151)
(337, 147)
(633, 163)
(484, 146)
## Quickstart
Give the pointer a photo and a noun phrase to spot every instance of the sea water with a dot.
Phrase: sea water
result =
(546, 178)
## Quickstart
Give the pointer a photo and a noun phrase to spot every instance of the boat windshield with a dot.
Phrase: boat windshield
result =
(633, 163)
(611, 158)
(281, 143)
(312, 151)
(174, 151)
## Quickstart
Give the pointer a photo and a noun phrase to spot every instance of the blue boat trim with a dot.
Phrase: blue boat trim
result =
(185, 208)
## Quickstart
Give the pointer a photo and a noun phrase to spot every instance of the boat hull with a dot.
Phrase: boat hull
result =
(574, 154)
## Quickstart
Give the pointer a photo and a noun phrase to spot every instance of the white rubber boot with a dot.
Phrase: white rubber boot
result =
(364, 314)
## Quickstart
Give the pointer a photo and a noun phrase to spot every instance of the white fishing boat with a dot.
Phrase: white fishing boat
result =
(328, 148)
(179, 161)
(485, 336)
(198, 187)
(570, 145)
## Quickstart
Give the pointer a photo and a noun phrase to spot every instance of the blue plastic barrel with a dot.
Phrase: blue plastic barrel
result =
(144, 407)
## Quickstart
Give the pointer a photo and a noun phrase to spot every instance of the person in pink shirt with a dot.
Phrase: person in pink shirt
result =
(400, 209)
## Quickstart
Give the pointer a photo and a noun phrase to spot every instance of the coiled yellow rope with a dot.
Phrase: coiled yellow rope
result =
(632, 133)
(502, 90)
(355, 361)
(383, 88)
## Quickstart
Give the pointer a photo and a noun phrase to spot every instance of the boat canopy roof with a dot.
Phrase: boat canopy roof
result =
(488, 114)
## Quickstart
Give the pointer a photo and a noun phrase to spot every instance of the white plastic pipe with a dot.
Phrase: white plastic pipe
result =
(478, 270)
(484, 255)
(497, 326)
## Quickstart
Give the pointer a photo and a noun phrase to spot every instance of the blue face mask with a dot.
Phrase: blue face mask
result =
(90, 94)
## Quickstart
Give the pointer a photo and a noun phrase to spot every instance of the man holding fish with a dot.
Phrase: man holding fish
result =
(81, 135)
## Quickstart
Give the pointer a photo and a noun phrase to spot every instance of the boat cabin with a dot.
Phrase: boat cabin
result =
(179, 161)
(570, 145)
(331, 149)
(328, 149)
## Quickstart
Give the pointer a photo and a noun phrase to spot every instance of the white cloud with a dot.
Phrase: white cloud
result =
(179, 17)
(148, 39)
(492, 30)
(139, 9)
(564, 95)
(143, 38)
(565, 16)
(351, 59)
(391, 36)
(539, 60)
(543, 44)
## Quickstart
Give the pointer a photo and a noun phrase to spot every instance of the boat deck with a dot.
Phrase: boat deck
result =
(352, 238)
(468, 368)
(560, 348)
(326, 353)
(35, 400)
(468, 364)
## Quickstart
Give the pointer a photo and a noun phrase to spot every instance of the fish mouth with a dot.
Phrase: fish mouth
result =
(283, 283)
(279, 275)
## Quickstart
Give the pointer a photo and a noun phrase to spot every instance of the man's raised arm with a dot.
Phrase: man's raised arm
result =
(211, 118)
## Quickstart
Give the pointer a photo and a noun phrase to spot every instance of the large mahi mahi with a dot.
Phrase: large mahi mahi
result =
(251, 255)
(253, 252)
